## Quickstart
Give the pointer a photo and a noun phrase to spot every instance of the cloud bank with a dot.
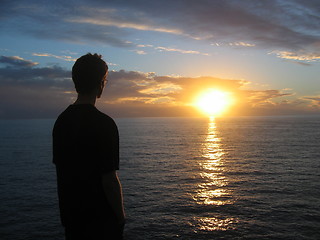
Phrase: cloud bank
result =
(288, 28)
(30, 91)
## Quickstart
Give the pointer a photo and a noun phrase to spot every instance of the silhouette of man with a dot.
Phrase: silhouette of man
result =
(86, 155)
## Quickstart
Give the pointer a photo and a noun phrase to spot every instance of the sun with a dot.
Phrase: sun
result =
(213, 102)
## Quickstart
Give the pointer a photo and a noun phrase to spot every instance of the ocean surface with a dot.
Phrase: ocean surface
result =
(182, 178)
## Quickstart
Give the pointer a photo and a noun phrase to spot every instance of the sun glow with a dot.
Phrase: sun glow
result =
(213, 102)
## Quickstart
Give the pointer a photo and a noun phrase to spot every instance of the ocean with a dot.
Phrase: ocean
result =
(182, 178)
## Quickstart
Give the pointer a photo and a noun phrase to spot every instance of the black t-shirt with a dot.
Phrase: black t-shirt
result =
(85, 146)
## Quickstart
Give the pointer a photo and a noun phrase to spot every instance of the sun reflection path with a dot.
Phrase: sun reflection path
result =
(213, 191)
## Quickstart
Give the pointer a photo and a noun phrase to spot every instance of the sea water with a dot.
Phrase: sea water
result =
(182, 178)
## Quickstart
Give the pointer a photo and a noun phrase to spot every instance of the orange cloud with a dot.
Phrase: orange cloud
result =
(148, 91)
(65, 58)
(166, 49)
(45, 91)
(298, 56)
(315, 101)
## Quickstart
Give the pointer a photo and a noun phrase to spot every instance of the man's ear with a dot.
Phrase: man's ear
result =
(99, 93)
(100, 89)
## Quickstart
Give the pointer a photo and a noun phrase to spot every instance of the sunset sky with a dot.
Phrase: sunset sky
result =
(162, 55)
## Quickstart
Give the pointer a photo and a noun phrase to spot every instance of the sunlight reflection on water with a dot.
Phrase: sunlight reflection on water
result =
(214, 224)
(213, 191)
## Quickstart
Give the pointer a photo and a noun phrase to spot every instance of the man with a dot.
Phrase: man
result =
(86, 155)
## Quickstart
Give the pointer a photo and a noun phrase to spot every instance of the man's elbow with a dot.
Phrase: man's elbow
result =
(110, 179)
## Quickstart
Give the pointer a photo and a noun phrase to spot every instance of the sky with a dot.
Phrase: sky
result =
(162, 55)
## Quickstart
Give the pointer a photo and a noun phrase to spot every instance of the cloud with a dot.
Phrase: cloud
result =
(273, 24)
(315, 101)
(49, 21)
(27, 90)
(140, 52)
(285, 26)
(123, 24)
(166, 49)
(242, 44)
(144, 45)
(143, 94)
(261, 97)
(299, 55)
(65, 58)
(15, 61)
(34, 76)
(148, 88)
(271, 102)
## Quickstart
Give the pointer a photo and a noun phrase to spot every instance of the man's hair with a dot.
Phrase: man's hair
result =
(88, 72)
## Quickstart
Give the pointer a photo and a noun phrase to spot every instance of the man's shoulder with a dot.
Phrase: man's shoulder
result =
(105, 118)
(64, 114)
(85, 114)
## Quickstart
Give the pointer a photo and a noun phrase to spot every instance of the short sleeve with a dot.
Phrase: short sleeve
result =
(109, 148)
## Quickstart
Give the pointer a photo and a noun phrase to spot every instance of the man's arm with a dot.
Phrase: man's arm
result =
(113, 191)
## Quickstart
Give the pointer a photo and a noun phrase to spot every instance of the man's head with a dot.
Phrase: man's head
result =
(89, 74)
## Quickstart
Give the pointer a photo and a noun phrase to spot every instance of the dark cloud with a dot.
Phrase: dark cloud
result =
(27, 75)
(291, 25)
(14, 61)
(30, 91)
(272, 24)
(124, 84)
(49, 20)
(300, 63)
(315, 101)
(27, 91)
(261, 97)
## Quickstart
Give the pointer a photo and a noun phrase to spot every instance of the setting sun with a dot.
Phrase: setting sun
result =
(213, 102)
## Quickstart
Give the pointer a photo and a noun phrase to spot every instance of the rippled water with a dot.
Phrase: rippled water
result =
(183, 178)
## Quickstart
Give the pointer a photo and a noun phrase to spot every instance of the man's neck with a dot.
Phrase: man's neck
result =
(85, 99)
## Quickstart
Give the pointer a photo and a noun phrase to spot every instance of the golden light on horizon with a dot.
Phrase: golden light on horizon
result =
(213, 102)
